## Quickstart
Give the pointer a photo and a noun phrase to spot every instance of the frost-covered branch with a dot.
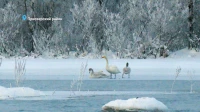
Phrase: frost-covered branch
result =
(78, 82)
(9, 30)
(80, 78)
(50, 42)
(115, 33)
(83, 22)
(191, 74)
(178, 70)
(20, 70)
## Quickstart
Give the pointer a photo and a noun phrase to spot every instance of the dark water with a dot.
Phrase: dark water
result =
(180, 101)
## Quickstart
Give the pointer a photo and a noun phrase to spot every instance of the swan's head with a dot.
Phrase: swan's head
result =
(90, 70)
(104, 57)
(127, 64)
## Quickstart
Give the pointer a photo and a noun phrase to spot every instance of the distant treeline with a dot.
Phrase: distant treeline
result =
(130, 28)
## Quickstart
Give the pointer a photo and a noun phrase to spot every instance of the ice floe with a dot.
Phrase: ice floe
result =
(14, 92)
(135, 104)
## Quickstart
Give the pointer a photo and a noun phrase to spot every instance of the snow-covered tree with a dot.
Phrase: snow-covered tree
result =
(9, 30)
(130, 28)
(115, 33)
(51, 42)
(157, 22)
(82, 23)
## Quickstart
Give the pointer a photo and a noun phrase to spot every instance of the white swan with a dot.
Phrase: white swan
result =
(97, 74)
(111, 69)
(126, 70)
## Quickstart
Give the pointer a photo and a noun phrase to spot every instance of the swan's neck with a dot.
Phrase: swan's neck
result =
(126, 65)
(106, 62)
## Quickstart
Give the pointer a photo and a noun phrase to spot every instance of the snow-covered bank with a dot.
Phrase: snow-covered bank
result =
(43, 68)
(185, 54)
(136, 104)
(9, 93)
(142, 69)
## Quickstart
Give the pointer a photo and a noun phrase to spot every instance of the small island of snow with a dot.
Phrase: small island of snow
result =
(135, 104)
(6, 93)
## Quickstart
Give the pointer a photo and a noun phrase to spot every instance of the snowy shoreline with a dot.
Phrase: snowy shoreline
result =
(142, 69)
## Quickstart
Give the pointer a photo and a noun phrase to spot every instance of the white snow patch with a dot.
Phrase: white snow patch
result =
(7, 93)
(61, 69)
(135, 104)
(185, 54)
(141, 69)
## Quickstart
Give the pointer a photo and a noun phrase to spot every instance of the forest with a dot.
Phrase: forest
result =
(127, 28)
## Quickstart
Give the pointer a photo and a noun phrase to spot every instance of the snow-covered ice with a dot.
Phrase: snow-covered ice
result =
(61, 69)
(14, 92)
(142, 69)
(134, 104)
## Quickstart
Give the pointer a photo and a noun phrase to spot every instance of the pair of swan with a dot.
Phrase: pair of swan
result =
(115, 70)
(97, 74)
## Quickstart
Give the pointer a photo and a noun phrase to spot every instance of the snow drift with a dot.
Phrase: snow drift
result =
(135, 104)
(6, 93)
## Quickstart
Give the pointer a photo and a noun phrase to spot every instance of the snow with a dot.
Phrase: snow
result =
(63, 69)
(7, 93)
(185, 54)
(134, 104)
(142, 69)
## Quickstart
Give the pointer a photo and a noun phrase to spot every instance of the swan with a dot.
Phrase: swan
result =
(111, 69)
(97, 74)
(126, 70)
